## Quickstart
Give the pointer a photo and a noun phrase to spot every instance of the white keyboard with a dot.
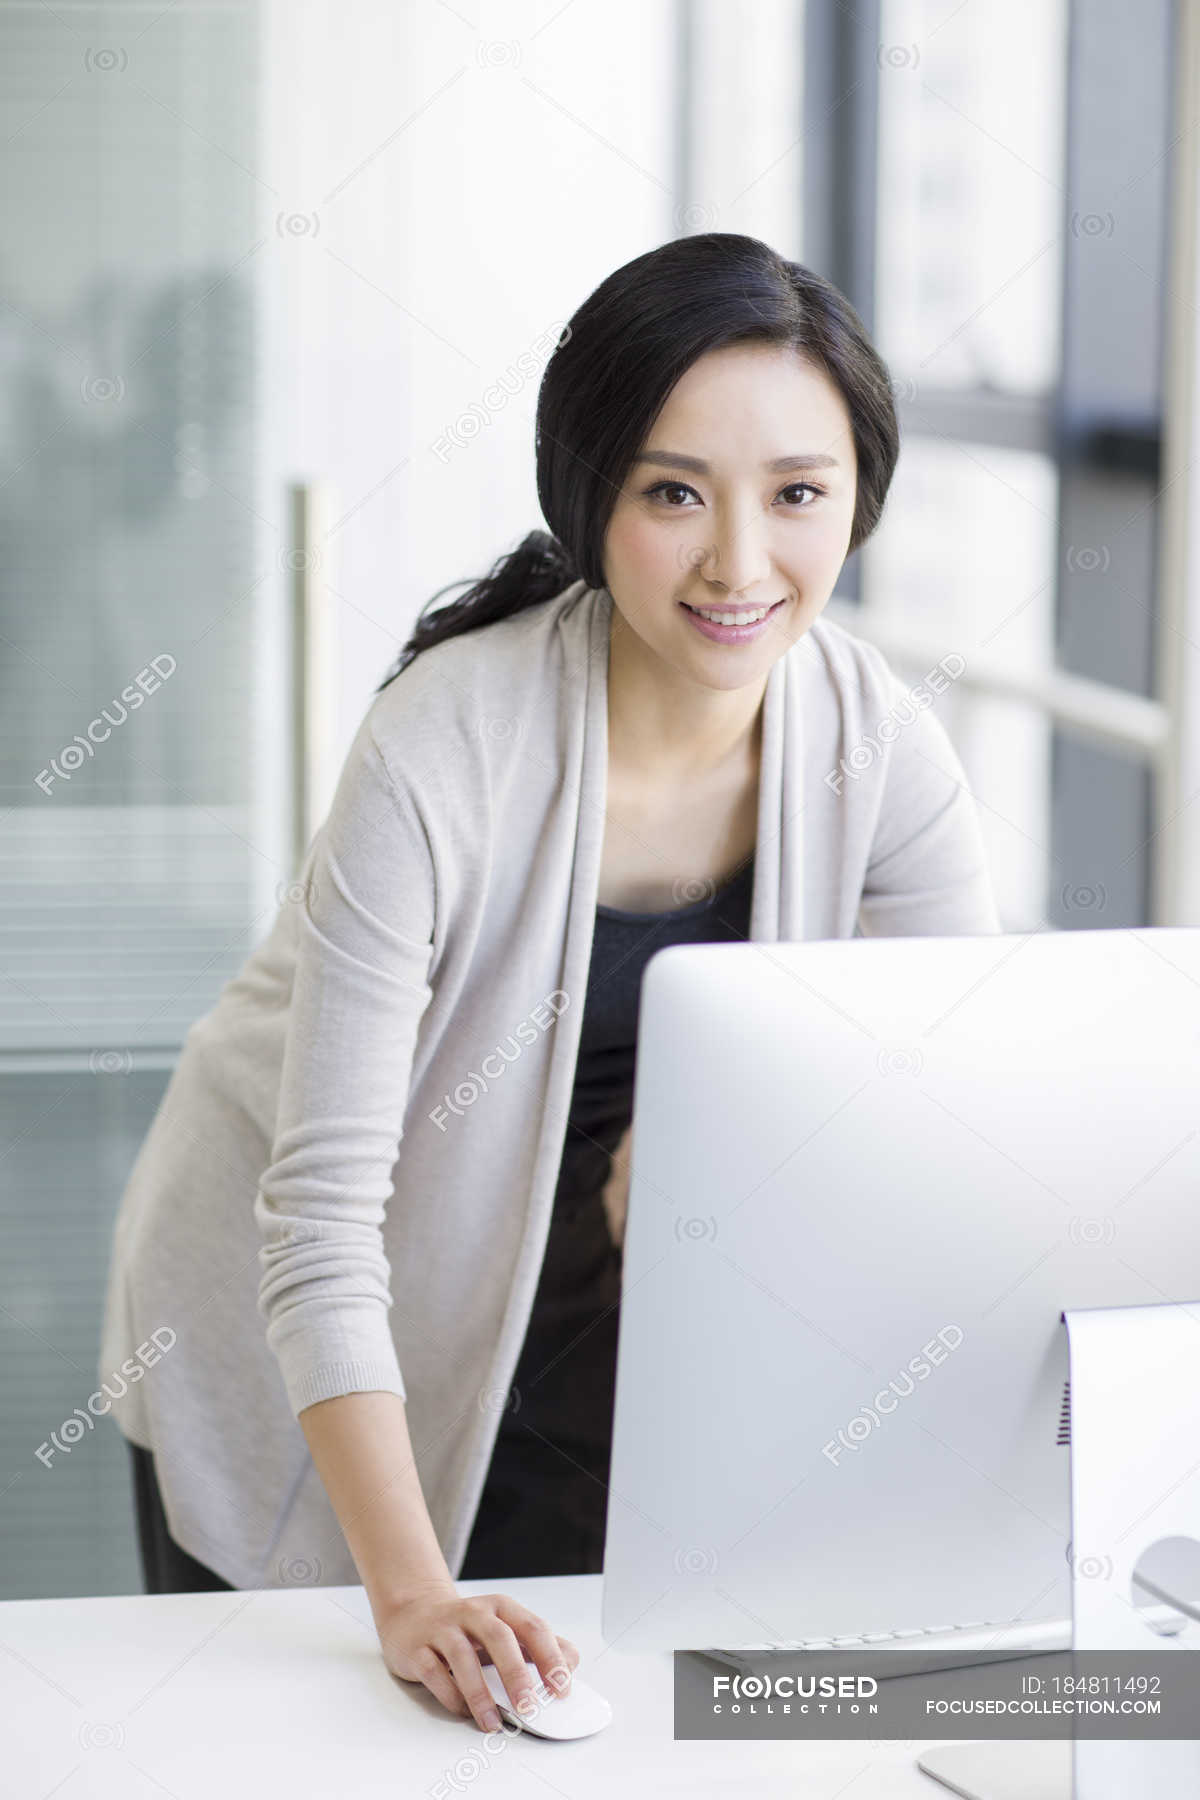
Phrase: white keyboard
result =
(978, 1642)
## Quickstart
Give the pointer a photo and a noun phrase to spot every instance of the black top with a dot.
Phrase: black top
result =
(542, 1511)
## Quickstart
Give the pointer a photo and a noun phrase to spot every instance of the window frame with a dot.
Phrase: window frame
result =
(1157, 731)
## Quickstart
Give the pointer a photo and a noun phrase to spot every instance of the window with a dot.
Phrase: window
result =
(996, 205)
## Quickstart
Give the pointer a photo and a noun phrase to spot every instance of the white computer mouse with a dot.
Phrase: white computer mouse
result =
(574, 1715)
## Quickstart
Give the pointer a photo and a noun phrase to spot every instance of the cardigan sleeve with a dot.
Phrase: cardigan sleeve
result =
(927, 873)
(360, 987)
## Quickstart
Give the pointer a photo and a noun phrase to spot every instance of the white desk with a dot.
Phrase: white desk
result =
(285, 1692)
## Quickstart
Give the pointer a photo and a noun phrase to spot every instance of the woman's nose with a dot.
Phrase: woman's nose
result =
(737, 559)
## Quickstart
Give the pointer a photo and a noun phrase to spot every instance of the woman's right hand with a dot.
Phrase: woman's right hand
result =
(433, 1635)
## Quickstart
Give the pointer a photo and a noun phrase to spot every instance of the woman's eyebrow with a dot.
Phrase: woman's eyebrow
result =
(671, 459)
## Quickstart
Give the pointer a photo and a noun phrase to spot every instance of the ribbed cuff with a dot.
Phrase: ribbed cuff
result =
(328, 1380)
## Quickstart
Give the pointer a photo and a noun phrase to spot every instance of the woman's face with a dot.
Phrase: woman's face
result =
(741, 498)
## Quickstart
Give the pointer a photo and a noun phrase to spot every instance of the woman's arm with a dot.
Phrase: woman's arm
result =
(427, 1631)
(360, 987)
(615, 1193)
(363, 1453)
(362, 982)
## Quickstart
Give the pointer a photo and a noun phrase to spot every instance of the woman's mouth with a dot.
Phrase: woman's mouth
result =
(716, 622)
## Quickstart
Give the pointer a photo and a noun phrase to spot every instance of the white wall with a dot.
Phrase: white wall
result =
(440, 184)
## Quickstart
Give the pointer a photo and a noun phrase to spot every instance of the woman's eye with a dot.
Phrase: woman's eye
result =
(664, 490)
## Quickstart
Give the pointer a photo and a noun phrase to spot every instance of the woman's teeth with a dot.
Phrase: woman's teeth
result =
(732, 618)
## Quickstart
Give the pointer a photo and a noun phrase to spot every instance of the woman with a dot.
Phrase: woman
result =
(637, 731)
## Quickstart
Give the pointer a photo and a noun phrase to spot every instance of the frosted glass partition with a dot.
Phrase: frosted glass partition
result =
(128, 528)
(131, 569)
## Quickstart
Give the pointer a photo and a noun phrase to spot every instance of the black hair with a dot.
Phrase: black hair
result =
(611, 372)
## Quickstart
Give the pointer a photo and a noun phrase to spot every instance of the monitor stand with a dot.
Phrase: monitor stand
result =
(1135, 1427)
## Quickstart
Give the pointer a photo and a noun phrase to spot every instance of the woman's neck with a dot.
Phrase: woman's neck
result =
(668, 729)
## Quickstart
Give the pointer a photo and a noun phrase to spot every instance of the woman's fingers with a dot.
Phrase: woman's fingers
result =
(568, 1662)
(438, 1638)
(437, 1678)
(460, 1653)
(500, 1641)
(554, 1656)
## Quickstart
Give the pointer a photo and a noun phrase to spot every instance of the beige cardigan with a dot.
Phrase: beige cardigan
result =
(348, 1183)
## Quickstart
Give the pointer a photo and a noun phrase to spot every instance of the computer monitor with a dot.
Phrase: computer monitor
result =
(867, 1177)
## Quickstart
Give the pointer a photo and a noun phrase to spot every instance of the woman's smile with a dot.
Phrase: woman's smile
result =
(713, 622)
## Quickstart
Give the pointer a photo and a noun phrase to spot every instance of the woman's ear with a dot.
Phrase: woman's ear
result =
(616, 1189)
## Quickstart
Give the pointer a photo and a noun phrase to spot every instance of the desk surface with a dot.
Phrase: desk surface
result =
(183, 1696)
